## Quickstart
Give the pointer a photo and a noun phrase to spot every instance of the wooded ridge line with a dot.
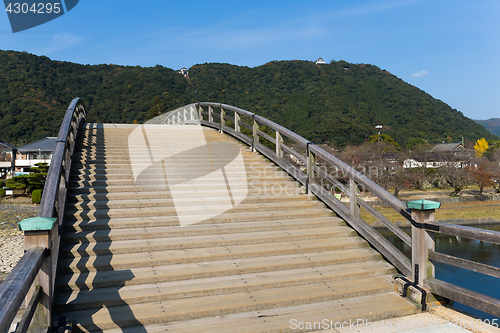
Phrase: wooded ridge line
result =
(339, 102)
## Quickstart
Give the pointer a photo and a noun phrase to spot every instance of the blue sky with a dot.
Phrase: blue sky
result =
(448, 48)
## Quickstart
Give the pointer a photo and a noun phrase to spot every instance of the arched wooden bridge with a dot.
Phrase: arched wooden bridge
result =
(199, 221)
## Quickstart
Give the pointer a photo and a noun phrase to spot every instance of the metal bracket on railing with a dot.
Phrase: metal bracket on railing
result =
(408, 284)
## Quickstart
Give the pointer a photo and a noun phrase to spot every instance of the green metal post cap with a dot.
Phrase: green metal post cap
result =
(423, 204)
(37, 224)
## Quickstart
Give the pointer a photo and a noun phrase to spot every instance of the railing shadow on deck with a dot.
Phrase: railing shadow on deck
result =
(38, 265)
(33, 279)
(86, 282)
(251, 129)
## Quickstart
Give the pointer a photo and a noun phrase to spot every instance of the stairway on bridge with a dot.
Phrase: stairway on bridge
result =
(184, 229)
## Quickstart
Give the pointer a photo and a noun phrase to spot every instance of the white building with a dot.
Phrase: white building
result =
(29, 155)
(320, 61)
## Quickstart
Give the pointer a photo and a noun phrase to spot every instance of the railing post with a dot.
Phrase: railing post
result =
(222, 120)
(310, 159)
(237, 122)
(279, 141)
(210, 117)
(255, 134)
(353, 198)
(40, 231)
(422, 240)
(200, 110)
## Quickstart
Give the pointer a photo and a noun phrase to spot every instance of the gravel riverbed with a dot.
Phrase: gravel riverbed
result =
(11, 239)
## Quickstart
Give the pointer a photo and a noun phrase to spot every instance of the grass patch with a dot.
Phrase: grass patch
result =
(463, 210)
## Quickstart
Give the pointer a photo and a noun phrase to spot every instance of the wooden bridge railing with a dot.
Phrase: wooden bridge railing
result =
(424, 256)
(33, 278)
(253, 129)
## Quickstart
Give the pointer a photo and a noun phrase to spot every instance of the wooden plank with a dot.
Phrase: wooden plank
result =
(467, 297)
(75, 109)
(484, 235)
(386, 222)
(397, 258)
(30, 311)
(382, 245)
(16, 286)
(323, 173)
(293, 152)
(291, 169)
(266, 136)
(466, 264)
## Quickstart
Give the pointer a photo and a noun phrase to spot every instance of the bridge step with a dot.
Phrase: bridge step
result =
(133, 294)
(204, 241)
(170, 202)
(133, 201)
(80, 261)
(196, 209)
(202, 269)
(356, 313)
(254, 251)
(277, 186)
(142, 231)
(153, 179)
(158, 221)
(217, 305)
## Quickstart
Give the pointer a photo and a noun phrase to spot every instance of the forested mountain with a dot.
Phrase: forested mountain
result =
(338, 102)
(35, 92)
(492, 125)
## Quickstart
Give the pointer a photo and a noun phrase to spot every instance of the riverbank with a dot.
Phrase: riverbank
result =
(11, 239)
(467, 209)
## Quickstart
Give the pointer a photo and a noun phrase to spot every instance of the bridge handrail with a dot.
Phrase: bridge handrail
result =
(351, 214)
(445, 289)
(39, 264)
(186, 115)
(17, 284)
(398, 259)
(370, 185)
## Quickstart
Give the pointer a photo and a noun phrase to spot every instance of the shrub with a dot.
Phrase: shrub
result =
(2, 192)
(36, 196)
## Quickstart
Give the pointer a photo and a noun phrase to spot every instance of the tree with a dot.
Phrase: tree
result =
(493, 151)
(456, 175)
(157, 108)
(480, 147)
(383, 138)
(31, 182)
(483, 175)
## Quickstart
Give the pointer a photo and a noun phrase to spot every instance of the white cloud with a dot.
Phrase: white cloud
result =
(420, 74)
(66, 39)
(61, 42)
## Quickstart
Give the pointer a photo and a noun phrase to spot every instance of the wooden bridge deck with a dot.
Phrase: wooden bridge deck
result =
(187, 230)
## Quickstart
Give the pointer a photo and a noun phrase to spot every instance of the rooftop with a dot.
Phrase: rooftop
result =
(47, 144)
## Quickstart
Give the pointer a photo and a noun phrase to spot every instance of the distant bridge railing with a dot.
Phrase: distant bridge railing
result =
(186, 115)
(253, 129)
(33, 278)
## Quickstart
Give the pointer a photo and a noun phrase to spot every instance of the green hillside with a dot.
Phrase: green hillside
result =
(35, 91)
(338, 102)
(492, 125)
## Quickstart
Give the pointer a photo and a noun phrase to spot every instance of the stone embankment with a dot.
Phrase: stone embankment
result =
(11, 239)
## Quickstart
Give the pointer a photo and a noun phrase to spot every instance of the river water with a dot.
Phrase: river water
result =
(486, 253)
